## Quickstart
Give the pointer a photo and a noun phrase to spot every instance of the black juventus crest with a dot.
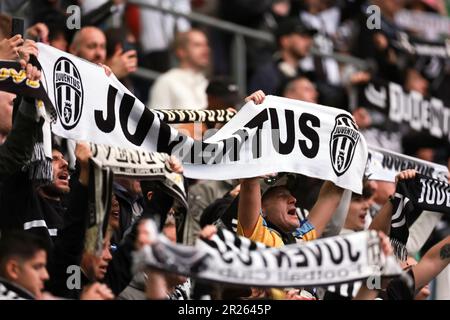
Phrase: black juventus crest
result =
(343, 141)
(68, 92)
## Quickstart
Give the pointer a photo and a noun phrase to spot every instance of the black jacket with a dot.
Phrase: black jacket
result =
(18, 147)
(10, 291)
(23, 208)
(69, 244)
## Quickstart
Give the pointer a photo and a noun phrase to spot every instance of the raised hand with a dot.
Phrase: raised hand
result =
(257, 97)
(405, 175)
(123, 63)
(9, 48)
(97, 291)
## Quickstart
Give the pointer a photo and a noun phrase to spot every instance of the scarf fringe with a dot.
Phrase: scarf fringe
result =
(40, 168)
(400, 250)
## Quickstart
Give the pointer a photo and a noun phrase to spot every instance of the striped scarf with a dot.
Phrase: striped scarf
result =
(412, 197)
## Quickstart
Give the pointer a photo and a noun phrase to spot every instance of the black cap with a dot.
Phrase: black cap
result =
(226, 90)
(221, 86)
(293, 25)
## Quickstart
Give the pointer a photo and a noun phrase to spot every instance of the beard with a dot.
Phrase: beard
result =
(53, 191)
(298, 53)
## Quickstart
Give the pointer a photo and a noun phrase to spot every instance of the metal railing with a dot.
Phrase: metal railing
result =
(147, 74)
(238, 45)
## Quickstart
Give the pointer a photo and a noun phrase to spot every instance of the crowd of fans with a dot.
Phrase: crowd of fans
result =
(43, 227)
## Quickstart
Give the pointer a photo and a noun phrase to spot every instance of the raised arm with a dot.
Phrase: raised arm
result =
(382, 221)
(250, 196)
(18, 147)
(249, 205)
(329, 198)
(69, 244)
(432, 263)
(337, 221)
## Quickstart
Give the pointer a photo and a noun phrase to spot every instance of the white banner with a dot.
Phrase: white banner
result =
(281, 135)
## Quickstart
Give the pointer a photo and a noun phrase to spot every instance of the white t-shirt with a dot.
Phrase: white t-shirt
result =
(179, 89)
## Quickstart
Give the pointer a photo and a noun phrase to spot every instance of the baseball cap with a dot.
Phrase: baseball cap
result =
(293, 25)
(281, 179)
(224, 89)
(221, 86)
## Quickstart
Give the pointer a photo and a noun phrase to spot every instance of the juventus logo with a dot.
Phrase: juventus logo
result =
(68, 92)
(343, 141)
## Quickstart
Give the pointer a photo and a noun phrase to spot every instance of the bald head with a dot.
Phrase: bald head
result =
(89, 43)
(301, 88)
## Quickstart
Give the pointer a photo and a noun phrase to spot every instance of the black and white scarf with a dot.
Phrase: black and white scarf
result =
(417, 47)
(412, 197)
(107, 162)
(141, 165)
(10, 291)
(99, 205)
(230, 259)
(13, 79)
(384, 165)
(189, 116)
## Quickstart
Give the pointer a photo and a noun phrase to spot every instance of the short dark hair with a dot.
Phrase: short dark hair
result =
(59, 146)
(56, 30)
(114, 36)
(367, 192)
(292, 25)
(21, 244)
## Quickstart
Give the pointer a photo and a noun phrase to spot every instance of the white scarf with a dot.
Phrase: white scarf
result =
(384, 165)
(230, 259)
(299, 137)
